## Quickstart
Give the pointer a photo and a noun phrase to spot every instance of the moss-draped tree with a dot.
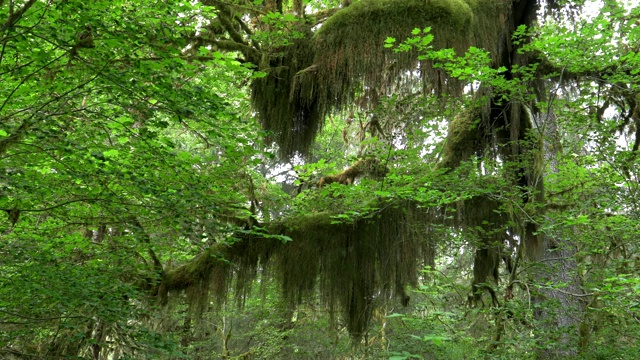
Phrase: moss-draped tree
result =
(334, 60)
(106, 110)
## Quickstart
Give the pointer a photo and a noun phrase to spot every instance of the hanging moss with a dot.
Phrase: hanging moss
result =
(346, 59)
(355, 266)
(489, 25)
(204, 273)
(481, 216)
(350, 54)
(292, 119)
(483, 219)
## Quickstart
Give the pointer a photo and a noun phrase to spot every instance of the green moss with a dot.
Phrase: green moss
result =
(464, 139)
(309, 221)
(354, 266)
(350, 51)
(345, 59)
(483, 220)
(293, 120)
(397, 15)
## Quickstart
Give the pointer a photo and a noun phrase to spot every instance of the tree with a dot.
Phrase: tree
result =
(133, 173)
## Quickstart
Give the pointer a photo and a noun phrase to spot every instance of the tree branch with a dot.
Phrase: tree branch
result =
(55, 206)
(36, 319)
(14, 17)
(228, 45)
(223, 15)
(157, 265)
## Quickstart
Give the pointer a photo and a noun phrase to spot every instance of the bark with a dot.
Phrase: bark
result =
(559, 308)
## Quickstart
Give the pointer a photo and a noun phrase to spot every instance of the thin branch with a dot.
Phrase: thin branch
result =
(15, 68)
(14, 17)
(55, 206)
(27, 78)
(156, 262)
(572, 294)
(19, 354)
(36, 319)
(6, 142)
(228, 26)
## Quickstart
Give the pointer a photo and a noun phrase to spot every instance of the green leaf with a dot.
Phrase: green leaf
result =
(110, 153)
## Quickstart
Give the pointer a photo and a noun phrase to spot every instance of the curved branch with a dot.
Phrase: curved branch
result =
(224, 16)
(35, 319)
(237, 42)
(246, 29)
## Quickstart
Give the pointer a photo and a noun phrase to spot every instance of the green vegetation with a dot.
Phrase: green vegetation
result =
(382, 179)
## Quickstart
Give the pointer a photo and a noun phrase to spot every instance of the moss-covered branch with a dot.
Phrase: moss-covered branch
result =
(320, 16)
(249, 52)
(328, 69)
(353, 265)
(464, 139)
(368, 166)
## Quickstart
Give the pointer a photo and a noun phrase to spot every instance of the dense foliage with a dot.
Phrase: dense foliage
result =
(449, 179)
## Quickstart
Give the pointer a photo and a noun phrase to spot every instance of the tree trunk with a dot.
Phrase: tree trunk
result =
(558, 305)
(557, 302)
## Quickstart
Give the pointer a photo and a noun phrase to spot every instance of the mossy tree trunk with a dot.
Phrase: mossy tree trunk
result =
(560, 308)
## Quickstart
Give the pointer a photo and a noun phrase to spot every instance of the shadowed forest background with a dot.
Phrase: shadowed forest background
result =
(270, 179)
